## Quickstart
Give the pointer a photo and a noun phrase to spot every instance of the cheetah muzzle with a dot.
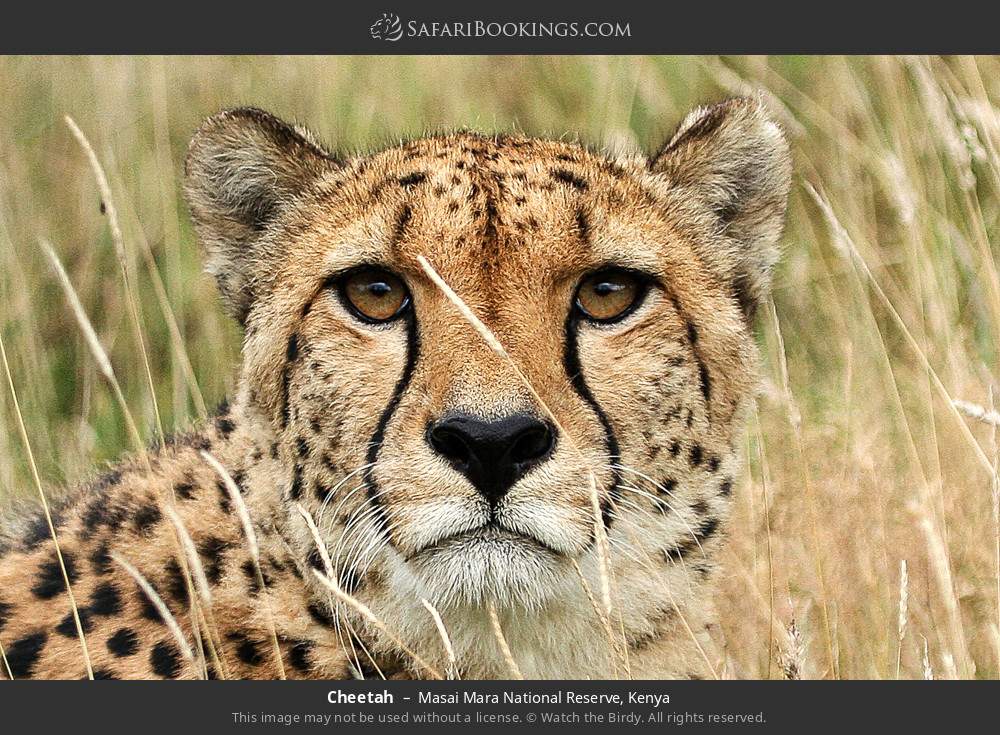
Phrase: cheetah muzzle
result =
(590, 459)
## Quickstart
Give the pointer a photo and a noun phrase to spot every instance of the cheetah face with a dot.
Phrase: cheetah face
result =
(619, 291)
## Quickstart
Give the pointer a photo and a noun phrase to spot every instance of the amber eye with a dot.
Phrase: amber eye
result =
(374, 294)
(609, 295)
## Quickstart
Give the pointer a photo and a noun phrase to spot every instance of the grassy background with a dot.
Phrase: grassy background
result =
(887, 305)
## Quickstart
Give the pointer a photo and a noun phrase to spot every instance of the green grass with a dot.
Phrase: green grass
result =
(858, 460)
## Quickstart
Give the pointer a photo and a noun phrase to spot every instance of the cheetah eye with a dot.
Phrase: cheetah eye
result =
(374, 295)
(609, 295)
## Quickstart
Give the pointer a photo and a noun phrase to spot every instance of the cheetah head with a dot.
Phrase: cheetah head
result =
(620, 289)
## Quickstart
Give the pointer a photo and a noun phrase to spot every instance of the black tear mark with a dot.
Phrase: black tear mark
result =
(574, 370)
(375, 443)
(22, 655)
(568, 177)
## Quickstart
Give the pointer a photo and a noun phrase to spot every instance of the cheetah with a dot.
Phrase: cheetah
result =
(488, 419)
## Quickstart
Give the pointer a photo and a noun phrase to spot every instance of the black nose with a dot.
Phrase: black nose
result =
(492, 454)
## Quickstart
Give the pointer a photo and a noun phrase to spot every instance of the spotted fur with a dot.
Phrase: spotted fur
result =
(331, 416)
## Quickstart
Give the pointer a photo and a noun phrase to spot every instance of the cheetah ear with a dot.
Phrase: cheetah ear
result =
(243, 167)
(736, 161)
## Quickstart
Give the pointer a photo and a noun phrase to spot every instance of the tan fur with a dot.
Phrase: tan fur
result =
(512, 224)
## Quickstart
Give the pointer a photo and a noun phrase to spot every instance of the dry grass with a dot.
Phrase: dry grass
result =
(864, 452)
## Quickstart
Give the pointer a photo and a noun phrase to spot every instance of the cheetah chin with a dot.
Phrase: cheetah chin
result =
(493, 392)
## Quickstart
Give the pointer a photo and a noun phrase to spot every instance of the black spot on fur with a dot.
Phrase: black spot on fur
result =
(148, 610)
(224, 426)
(37, 532)
(250, 572)
(298, 655)
(5, 609)
(302, 447)
(315, 560)
(248, 653)
(674, 448)
(701, 532)
(100, 560)
(417, 177)
(668, 485)
(105, 600)
(103, 675)
(211, 551)
(22, 655)
(147, 517)
(176, 583)
(696, 455)
(67, 626)
(291, 355)
(320, 614)
(713, 463)
(184, 489)
(295, 491)
(50, 577)
(96, 514)
(568, 177)
(321, 491)
(123, 643)
(224, 502)
(726, 488)
(165, 660)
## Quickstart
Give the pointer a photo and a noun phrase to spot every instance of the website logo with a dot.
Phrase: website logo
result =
(387, 28)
